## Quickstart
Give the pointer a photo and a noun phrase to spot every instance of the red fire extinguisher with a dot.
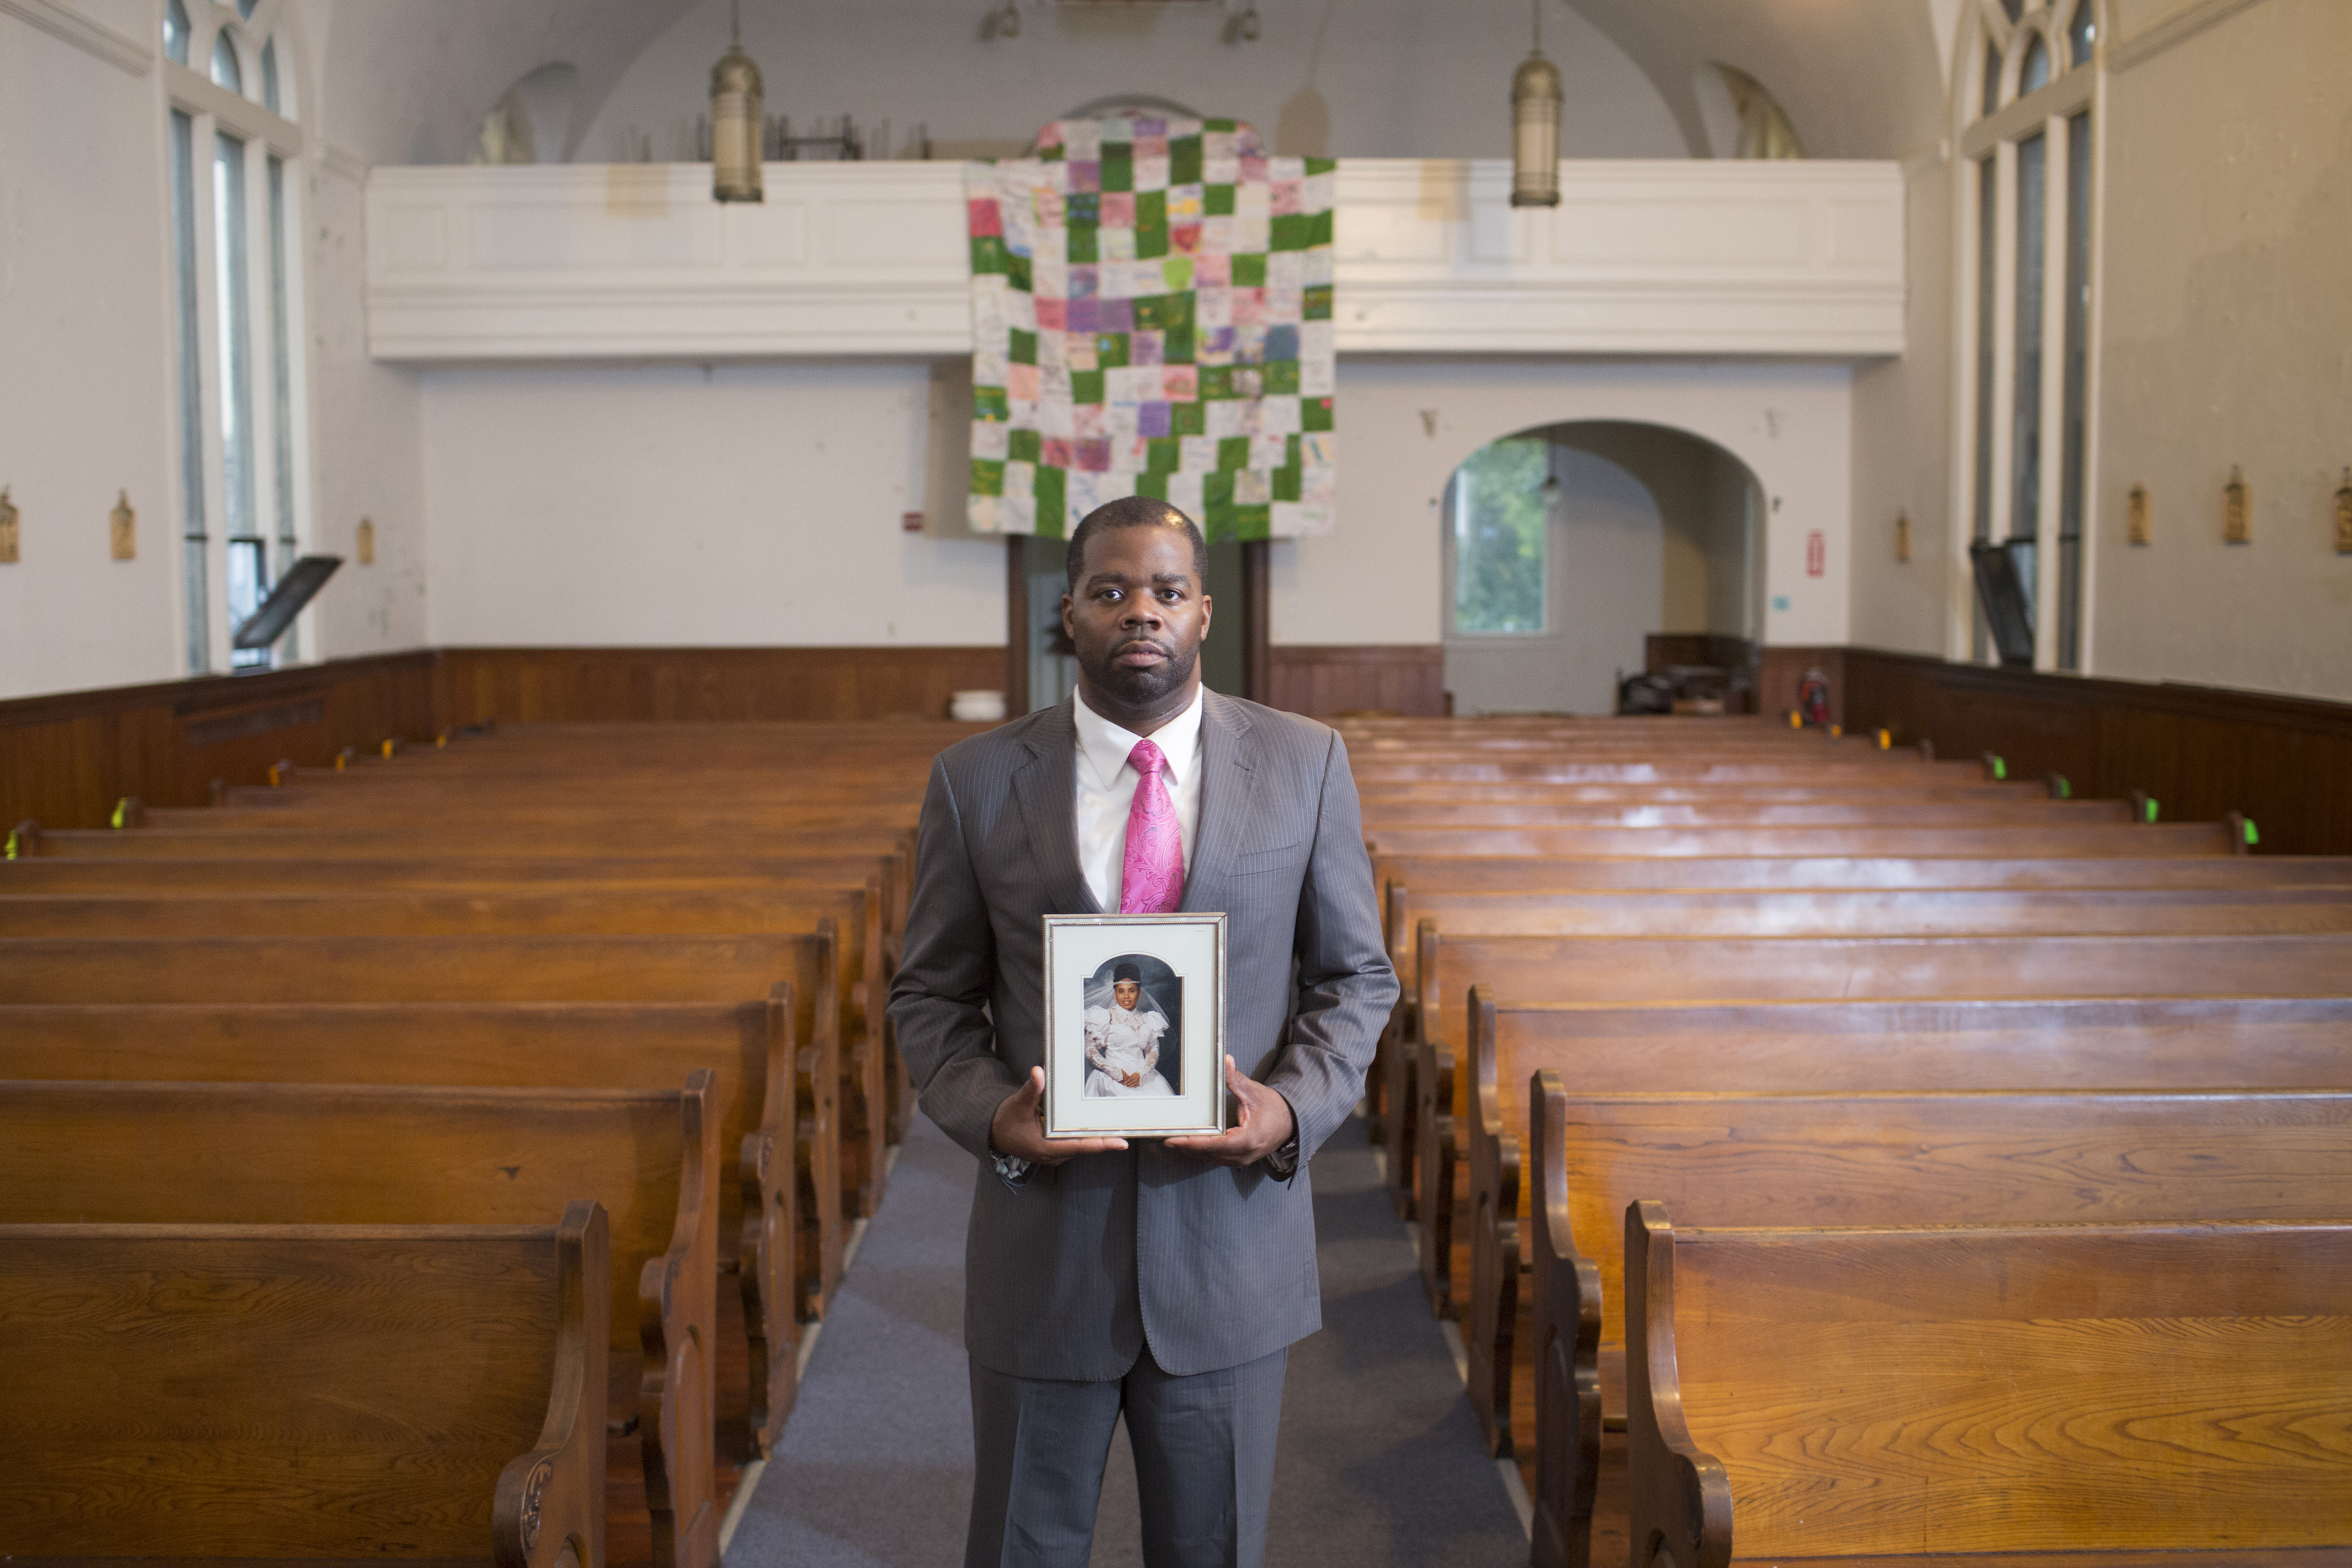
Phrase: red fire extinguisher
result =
(1813, 698)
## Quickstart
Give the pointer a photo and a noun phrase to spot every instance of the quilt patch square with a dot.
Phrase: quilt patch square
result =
(1151, 312)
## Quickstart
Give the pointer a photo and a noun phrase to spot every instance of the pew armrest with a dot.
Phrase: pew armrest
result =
(1566, 1348)
(768, 1249)
(678, 1327)
(1679, 1502)
(551, 1501)
(1495, 1239)
(1434, 1165)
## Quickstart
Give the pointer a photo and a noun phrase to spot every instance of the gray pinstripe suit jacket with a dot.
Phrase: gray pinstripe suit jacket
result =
(1071, 1275)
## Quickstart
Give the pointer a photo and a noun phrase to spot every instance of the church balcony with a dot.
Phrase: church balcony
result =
(635, 262)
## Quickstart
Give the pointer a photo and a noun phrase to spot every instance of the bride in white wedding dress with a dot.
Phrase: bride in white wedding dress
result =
(1123, 1040)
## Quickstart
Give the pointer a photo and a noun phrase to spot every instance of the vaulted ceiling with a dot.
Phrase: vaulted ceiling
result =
(410, 83)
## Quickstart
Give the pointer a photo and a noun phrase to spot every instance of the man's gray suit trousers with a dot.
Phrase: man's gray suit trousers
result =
(1203, 1464)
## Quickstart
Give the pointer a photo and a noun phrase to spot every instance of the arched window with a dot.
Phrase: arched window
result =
(1499, 507)
(235, 155)
(2025, 252)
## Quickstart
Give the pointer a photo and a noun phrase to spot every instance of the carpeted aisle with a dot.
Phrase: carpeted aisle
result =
(1380, 1462)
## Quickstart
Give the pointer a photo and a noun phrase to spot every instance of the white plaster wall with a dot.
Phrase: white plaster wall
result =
(84, 388)
(1405, 425)
(1607, 587)
(367, 456)
(2226, 321)
(748, 504)
(1366, 78)
(1903, 444)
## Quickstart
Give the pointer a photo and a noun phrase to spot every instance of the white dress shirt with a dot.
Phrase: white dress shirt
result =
(1106, 789)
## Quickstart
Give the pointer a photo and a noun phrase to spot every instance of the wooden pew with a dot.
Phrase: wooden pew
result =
(2123, 840)
(226, 1153)
(864, 1104)
(1407, 879)
(2021, 1390)
(1816, 913)
(1898, 810)
(321, 1393)
(1856, 1158)
(1670, 969)
(329, 969)
(755, 1105)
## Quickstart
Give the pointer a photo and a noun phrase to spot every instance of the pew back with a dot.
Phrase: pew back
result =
(2020, 1389)
(193, 1392)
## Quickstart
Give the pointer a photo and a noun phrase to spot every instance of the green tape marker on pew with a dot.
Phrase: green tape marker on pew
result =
(2151, 808)
(12, 846)
(121, 810)
(2000, 766)
(2253, 835)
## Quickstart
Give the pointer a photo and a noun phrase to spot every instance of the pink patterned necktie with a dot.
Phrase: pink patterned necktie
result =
(1152, 877)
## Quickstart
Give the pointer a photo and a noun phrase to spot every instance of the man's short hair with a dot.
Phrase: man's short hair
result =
(1138, 511)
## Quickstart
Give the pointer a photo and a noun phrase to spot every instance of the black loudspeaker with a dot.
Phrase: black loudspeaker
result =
(2004, 573)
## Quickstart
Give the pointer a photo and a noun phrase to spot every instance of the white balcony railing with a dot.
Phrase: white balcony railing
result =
(636, 262)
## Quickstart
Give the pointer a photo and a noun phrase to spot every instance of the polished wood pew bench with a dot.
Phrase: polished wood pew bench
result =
(741, 969)
(754, 1100)
(2097, 1394)
(864, 1104)
(1594, 970)
(1382, 816)
(227, 1153)
(1806, 911)
(1956, 1158)
(319, 1394)
(2121, 839)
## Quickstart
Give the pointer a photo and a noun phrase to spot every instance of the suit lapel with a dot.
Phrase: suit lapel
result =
(1049, 809)
(1228, 772)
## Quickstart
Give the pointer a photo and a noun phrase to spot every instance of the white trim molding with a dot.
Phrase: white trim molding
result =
(2177, 29)
(85, 33)
(636, 261)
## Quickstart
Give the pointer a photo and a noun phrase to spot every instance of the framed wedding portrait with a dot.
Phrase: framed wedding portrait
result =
(1135, 1026)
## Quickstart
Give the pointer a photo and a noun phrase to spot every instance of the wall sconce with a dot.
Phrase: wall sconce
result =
(2343, 516)
(2135, 528)
(1241, 28)
(122, 528)
(736, 97)
(2237, 511)
(7, 529)
(1535, 126)
(1004, 22)
(366, 551)
(1902, 536)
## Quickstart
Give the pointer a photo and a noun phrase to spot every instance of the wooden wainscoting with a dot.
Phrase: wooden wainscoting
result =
(67, 759)
(2285, 762)
(1323, 681)
(625, 685)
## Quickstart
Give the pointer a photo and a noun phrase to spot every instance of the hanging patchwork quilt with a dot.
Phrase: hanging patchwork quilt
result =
(1151, 315)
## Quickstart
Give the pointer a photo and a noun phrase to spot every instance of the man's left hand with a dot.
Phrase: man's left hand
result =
(1263, 1123)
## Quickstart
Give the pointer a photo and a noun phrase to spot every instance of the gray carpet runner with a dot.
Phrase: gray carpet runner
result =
(1380, 1462)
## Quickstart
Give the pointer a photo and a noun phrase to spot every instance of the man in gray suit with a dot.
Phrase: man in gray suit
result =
(1162, 1281)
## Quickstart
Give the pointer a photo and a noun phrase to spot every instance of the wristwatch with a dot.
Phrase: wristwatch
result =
(1010, 1168)
(1282, 1163)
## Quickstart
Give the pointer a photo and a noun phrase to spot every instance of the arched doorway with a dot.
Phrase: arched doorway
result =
(1567, 546)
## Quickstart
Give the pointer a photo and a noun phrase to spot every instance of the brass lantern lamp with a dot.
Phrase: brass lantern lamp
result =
(737, 101)
(1534, 127)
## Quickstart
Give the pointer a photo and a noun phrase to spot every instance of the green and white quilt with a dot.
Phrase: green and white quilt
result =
(1151, 315)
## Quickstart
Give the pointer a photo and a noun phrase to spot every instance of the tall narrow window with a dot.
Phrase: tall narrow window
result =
(196, 560)
(1988, 228)
(1500, 523)
(281, 384)
(238, 297)
(248, 580)
(2074, 419)
(225, 71)
(2025, 399)
(2024, 431)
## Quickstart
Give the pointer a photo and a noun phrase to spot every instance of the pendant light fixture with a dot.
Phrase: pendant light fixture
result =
(1535, 126)
(736, 103)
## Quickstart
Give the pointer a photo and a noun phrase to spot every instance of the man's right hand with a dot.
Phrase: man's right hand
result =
(1018, 1127)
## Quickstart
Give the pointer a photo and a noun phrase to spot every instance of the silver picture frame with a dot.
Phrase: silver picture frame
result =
(1175, 1026)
